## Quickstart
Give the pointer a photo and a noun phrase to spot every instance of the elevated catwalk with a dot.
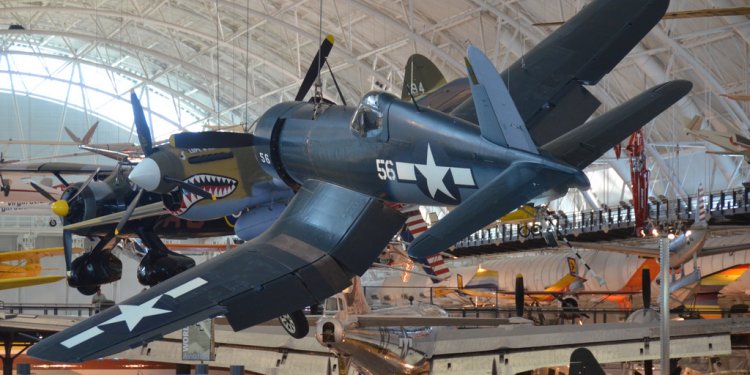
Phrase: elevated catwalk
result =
(506, 349)
(724, 208)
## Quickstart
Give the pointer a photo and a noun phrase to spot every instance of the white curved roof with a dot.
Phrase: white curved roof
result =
(208, 62)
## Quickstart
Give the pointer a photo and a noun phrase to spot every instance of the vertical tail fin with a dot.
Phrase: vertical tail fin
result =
(86, 137)
(421, 77)
(499, 119)
(89, 134)
(72, 135)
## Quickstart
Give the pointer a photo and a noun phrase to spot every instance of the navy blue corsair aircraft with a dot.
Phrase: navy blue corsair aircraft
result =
(475, 143)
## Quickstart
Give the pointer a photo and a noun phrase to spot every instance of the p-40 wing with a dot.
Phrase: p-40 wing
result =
(326, 236)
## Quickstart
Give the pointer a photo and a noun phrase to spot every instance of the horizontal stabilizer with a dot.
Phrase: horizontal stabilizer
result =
(326, 236)
(590, 141)
(499, 120)
(515, 186)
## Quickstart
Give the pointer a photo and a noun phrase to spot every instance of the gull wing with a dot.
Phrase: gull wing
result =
(326, 236)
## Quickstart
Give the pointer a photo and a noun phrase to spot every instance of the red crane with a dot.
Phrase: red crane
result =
(638, 178)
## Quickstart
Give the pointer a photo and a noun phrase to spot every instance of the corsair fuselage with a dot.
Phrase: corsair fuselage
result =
(388, 149)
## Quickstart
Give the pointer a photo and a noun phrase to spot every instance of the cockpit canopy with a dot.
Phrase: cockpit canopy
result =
(369, 118)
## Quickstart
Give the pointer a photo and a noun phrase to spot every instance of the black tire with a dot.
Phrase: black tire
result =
(52, 222)
(88, 290)
(295, 324)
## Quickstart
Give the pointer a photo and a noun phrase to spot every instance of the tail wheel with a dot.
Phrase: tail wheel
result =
(295, 324)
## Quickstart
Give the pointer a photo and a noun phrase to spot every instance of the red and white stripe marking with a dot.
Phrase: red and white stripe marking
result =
(414, 221)
(701, 205)
(438, 265)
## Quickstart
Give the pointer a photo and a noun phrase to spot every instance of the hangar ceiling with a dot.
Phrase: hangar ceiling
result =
(201, 62)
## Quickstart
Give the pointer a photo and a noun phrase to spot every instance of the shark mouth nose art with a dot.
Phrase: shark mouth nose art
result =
(219, 186)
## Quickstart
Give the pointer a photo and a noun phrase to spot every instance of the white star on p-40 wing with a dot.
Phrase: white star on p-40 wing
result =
(434, 175)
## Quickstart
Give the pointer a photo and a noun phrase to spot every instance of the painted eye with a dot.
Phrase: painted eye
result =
(182, 155)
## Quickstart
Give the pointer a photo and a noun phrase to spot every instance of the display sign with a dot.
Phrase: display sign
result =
(198, 341)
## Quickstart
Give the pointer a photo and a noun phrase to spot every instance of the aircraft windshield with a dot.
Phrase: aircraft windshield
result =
(331, 305)
(368, 120)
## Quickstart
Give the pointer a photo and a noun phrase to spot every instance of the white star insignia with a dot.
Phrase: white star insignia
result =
(133, 314)
(434, 174)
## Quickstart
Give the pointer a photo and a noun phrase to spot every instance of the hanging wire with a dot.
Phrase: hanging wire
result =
(218, 71)
(247, 67)
(318, 90)
(320, 38)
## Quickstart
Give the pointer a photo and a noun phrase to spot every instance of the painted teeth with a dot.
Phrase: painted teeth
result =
(219, 186)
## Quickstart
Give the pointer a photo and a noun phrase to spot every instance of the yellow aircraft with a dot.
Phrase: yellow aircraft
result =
(27, 267)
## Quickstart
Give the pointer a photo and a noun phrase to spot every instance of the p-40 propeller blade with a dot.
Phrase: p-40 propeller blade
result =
(141, 126)
(191, 188)
(315, 68)
(212, 139)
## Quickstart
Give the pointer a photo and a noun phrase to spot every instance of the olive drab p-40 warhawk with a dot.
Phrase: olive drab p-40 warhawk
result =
(485, 144)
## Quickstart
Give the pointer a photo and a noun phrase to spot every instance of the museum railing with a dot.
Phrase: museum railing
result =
(728, 206)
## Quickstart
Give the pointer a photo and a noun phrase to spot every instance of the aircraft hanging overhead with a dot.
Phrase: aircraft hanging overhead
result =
(116, 151)
(27, 269)
(530, 143)
(344, 162)
(732, 143)
(99, 205)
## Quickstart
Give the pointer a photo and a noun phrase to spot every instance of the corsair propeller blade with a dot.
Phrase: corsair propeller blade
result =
(314, 70)
(85, 184)
(212, 140)
(131, 207)
(41, 191)
(191, 188)
(141, 126)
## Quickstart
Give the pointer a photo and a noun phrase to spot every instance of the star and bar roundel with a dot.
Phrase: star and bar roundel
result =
(434, 178)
